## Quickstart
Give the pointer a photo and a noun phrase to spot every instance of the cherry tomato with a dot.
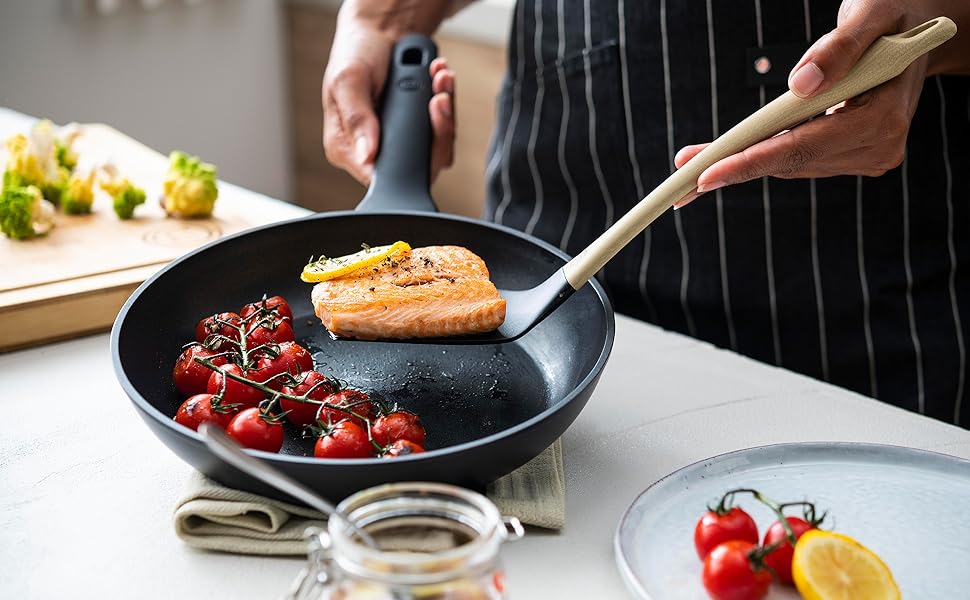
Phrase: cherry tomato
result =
(198, 410)
(263, 333)
(729, 573)
(396, 426)
(356, 400)
(235, 392)
(780, 559)
(402, 448)
(346, 439)
(189, 376)
(212, 326)
(251, 429)
(290, 358)
(281, 306)
(712, 529)
(301, 413)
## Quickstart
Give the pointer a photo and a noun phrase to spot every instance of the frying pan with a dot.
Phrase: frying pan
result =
(488, 408)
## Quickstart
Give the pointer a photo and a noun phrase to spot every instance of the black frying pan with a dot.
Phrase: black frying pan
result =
(488, 409)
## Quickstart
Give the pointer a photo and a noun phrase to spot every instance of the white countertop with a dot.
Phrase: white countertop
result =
(87, 492)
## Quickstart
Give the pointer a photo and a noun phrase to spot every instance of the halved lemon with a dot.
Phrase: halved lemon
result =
(325, 268)
(833, 566)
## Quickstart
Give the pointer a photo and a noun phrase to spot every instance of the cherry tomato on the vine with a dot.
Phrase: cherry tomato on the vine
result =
(713, 529)
(235, 392)
(396, 426)
(251, 429)
(273, 302)
(263, 333)
(355, 400)
(302, 413)
(780, 559)
(198, 410)
(189, 376)
(218, 324)
(402, 448)
(730, 574)
(292, 358)
(346, 439)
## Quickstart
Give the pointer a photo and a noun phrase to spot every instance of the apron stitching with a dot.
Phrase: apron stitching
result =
(536, 117)
(563, 128)
(910, 309)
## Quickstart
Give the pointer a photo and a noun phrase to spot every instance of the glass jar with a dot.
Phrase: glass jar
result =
(435, 542)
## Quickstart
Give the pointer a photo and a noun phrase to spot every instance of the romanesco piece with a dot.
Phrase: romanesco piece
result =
(124, 194)
(189, 189)
(78, 195)
(24, 213)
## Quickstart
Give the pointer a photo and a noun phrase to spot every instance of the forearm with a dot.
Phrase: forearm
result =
(395, 18)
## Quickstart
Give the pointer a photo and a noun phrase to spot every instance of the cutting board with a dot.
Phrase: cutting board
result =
(74, 280)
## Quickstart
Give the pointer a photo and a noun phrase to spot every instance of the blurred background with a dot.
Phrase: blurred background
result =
(236, 82)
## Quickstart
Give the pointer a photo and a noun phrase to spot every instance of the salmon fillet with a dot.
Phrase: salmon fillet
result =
(433, 291)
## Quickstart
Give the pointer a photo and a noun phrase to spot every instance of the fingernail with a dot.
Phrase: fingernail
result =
(362, 149)
(806, 80)
(710, 187)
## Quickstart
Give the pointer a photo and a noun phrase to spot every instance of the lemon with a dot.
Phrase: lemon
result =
(325, 268)
(832, 566)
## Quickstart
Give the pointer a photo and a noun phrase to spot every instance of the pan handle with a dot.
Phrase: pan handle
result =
(402, 172)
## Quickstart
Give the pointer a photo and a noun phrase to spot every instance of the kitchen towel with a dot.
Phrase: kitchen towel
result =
(214, 517)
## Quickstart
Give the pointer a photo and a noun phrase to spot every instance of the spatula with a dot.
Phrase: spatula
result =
(885, 59)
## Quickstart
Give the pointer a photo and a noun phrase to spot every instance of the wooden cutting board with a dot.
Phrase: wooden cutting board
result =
(74, 280)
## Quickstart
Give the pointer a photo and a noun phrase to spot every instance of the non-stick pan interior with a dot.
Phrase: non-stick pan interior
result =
(462, 392)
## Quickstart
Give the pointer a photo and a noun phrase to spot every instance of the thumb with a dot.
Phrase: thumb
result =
(861, 22)
(354, 102)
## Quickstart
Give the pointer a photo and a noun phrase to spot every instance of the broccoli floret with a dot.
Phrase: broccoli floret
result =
(189, 187)
(66, 157)
(126, 197)
(78, 195)
(24, 213)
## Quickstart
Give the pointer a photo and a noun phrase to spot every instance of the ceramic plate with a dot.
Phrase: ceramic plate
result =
(911, 507)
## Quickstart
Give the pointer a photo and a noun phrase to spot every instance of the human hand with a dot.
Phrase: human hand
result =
(865, 135)
(352, 84)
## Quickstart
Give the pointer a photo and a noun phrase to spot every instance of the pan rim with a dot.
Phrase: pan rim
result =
(150, 410)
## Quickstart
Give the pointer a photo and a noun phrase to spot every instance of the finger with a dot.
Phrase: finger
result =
(693, 195)
(686, 153)
(861, 22)
(792, 154)
(443, 82)
(437, 65)
(442, 113)
(351, 129)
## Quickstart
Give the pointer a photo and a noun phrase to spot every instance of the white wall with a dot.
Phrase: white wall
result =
(207, 77)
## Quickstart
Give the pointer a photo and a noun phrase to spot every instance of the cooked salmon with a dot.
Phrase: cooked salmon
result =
(433, 291)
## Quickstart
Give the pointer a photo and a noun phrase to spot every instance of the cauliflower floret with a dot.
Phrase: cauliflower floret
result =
(190, 188)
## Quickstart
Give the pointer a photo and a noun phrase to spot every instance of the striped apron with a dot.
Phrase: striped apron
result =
(862, 282)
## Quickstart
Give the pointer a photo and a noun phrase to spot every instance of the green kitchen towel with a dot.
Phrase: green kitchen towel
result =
(213, 517)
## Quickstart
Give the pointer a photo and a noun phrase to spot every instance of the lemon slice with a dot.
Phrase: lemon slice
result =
(830, 566)
(330, 268)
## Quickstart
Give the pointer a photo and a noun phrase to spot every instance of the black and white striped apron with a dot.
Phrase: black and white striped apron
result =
(863, 282)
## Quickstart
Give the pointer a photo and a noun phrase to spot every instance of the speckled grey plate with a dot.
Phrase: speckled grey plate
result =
(911, 507)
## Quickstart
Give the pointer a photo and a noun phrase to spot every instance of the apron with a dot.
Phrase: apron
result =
(862, 282)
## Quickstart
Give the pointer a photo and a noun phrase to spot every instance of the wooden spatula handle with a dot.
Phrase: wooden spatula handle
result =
(885, 59)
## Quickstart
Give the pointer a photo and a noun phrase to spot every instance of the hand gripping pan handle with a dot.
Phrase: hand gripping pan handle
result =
(402, 173)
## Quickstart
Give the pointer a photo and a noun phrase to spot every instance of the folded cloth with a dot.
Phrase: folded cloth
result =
(213, 517)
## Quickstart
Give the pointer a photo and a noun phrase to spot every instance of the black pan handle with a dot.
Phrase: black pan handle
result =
(402, 173)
